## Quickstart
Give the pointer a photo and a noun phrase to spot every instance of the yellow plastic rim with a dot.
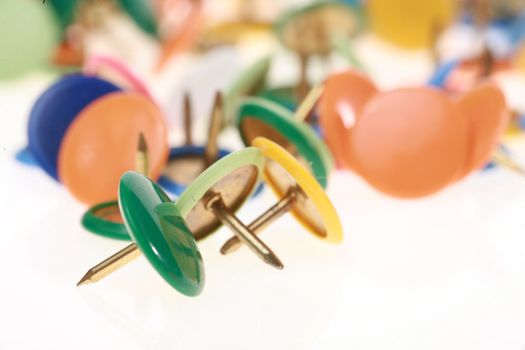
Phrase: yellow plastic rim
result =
(312, 189)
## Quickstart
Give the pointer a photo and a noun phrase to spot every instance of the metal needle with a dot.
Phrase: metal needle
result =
(212, 150)
(126, 255)
(504, 160)
(188, 115)
(269, 216)
(243, 233)
(303, 86)
(142, 157)
(111, 264)
(306, 107)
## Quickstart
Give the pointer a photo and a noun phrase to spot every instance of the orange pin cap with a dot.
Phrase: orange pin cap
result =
(345, 95)
(101, 144)
(410, 142)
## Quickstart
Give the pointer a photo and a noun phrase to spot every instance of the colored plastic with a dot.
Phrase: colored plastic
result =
(284, 96)
(345, 94)
(25, 156)
(249, 82)
(54, 111)
(142, 13)
(184, 33)
(182, 152)
(299, 30)
(105, 220)
(442, 73)
(29, 32)
(194, 193)
(160, 233)
(101, 144)
(410, 23)
(409, 142)
(485, 111)
(65, 10)
(333, 231)
(95, 64)
(288, 131)
(466, 74)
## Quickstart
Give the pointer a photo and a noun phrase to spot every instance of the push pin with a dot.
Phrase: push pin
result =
(58, 106)
(187, 162)
(115, 71)
(309, 31)
(244, 26)
(298, 192)
(55, 110)
(79, 18)
(211, 200)
(232, 178)
(257, 117)
(100, 145)
(250, 82)
(105, 219)
(159, 233)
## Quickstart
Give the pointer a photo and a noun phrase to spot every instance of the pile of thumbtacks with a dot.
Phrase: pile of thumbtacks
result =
(106, 141)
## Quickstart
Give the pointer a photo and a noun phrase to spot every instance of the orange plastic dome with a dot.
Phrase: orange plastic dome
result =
(101, 144)
(409, 142)
(485, 112)
(345, 95)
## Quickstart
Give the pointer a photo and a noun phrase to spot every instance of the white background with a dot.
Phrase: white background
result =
(445, 272)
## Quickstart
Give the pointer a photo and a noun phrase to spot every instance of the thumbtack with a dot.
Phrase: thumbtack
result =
(148, 214)
(298, 191)
(108, 129)
(305, 108)
(187, 162)
(315, 29)
(249, 82)
(257, 117)
(104, 219)
(55, 110)
(211, 200)
(159, 233)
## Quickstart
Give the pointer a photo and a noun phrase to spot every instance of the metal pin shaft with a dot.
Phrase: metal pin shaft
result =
(303, 86)
(245, 235)
(306, 107)
(487, 63)
(212, 150)
(269, 216)
(111, 264)
(504, 160)
(126, 255)
(188, 115)
(142, 157)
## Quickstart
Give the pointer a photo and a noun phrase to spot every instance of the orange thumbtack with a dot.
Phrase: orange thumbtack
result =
(487, 117)
(404, 154)
(100, 145)
(345, 95)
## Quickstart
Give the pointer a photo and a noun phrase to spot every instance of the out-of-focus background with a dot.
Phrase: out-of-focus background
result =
(441, 272)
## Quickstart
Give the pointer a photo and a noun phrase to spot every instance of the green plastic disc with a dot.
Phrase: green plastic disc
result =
(105, 220)
(29, 32)
(158, 229)
(258, 117)
(300, 29)
(235, 177)
(141, 11)
(284, 96)
(65, 10)
(249, 82)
